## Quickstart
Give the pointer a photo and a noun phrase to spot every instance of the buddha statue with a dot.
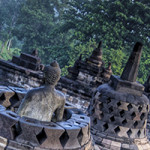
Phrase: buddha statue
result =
(44, 102)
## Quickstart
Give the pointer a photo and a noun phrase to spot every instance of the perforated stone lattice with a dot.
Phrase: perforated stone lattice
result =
(129, 117)
(71, 134)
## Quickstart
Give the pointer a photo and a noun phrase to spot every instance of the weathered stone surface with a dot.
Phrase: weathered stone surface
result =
(84, 77)
(29, 130)
(131, 69)
(3, 143)
(27, 61)
(71, 133)
(41, 103)
(25, 71)
(53, 133)
(26, 133)
(126, 86)
(14, 75)
(5, 95)
(8, 121)
(13, 145)
(119, 109)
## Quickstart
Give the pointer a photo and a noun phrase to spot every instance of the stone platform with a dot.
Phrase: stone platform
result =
(22, 133)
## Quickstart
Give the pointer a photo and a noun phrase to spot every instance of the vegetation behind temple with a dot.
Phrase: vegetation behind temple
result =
(64, 29)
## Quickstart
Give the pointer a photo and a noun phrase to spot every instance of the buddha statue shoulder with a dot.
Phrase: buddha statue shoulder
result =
(45, 102)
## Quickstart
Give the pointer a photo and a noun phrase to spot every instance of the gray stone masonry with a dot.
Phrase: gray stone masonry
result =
(119, 110)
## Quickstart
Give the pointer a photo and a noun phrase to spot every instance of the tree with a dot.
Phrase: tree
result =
(120, 24)
(8, 15)
(37, 27)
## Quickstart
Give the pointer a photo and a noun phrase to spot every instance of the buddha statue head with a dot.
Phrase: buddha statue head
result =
(52, 73)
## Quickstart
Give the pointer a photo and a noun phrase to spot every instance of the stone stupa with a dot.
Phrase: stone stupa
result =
(84, 77)
(119, 110)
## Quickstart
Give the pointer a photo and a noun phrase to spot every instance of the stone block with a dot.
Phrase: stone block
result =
(81, 118)
(53, 135)
(72, 136)
(133, 147)
(32, 66)
(13, 145)
(23, 63)
(85, 130)
(116, 144)
(5, 95)
(30, 58)
(16, 60)
(107, 143)
(3, 143)
(30, 132)
(146, 146)
(8, 122)
(126, 86)
(2, 108)
(125, 147)
(20, 92)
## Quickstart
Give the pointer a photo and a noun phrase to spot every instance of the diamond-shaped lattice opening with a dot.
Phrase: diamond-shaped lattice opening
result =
(94, 101)
(135, 124)
(100, 95)
(2, 98)
(108, 100)
(95, 121)
(117, 130)
(100, 106)
(124, 122)
(142, 116)
(144, 122)
(140, 108)
(16, 130)
(139, 133)
(94, 93)
(112, 119)
(105, 126)
(119, 104)
(64, 139)
(101, 115)
(93, 111)
(147, 107)
(80, 136)
(14, 99)
(129, 132)
(133, 115)
(41, 137)
(130, 107)
(122, 112)
(110, 109)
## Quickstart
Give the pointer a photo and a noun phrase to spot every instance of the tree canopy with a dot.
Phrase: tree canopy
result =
(63, 29)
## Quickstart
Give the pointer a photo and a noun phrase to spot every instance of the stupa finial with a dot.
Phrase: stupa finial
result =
(131, 69)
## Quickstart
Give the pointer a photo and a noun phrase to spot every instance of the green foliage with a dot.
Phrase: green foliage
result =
(116, 57)
(76, 50)
(119, 24)
(64, 29)
(7, 54)
(8, 15)
(38, 27)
